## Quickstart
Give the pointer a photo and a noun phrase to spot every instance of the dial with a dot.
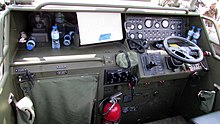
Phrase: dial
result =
(132, 26)
(132, 36)
(140, 36)
(172, 26)
(140, 26)
(148, 23)
(165, 23)
(179, 26)
(157, 25)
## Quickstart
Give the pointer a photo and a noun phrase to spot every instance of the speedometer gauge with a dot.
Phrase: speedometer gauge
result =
(148, 23)
(165, 23)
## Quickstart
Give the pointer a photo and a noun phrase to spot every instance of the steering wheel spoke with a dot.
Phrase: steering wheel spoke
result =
(194, 48)
(174, 49)
(188, 56)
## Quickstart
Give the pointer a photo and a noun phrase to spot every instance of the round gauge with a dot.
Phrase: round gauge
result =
(148, 23)
(165, 23)
(132, 36)
(140, 36)
(179, 26)
(157, 25)
(132, 26)
(172, 27)
(140, 26)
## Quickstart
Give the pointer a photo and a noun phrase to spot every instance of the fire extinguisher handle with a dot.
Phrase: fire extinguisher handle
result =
(116, 95)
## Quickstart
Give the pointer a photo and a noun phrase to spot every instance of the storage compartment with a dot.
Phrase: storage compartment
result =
(64, 100)
(31, 32)
(31, 40)
(65, 82)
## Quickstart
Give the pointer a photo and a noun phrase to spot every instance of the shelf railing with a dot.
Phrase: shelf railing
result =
(124, 5)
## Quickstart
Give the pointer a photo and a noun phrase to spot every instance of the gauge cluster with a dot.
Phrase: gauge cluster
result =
(154, 28)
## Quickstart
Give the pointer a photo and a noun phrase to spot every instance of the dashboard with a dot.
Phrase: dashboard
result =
(143, 34)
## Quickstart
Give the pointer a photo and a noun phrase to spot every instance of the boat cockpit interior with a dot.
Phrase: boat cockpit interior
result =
(108, 62)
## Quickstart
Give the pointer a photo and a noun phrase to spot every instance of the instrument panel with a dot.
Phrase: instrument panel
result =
(154, 28)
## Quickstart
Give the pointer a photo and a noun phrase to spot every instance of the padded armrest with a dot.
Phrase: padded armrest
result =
(211, 118)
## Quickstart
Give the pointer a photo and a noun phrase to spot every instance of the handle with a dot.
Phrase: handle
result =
(114, 4)
(215, 25)
(4, 48)
(116, 95)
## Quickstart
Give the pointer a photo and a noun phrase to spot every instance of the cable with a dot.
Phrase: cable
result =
(139, 47)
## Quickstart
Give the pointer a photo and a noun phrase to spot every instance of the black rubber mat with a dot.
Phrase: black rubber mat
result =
(173, 120)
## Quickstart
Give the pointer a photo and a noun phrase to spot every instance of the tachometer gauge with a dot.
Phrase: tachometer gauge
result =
(165, 23)
(148, 23)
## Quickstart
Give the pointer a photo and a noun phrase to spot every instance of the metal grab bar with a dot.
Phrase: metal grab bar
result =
(211, 43)
(114, 4)
(4, 48)
(215, 25)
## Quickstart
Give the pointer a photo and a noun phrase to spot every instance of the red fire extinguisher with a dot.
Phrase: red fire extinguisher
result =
(111, 111)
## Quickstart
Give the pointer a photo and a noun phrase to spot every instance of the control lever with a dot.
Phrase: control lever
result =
(204, 63)
(132, 84)
(151, 65)
(203, 66)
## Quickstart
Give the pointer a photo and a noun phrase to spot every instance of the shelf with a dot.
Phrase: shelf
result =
(45, 55)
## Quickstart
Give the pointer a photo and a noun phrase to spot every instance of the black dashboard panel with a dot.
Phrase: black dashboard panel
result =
(154, 28)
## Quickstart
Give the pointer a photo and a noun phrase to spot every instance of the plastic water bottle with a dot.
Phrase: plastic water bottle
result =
(190, 33)
(55, 38)
(196, 36)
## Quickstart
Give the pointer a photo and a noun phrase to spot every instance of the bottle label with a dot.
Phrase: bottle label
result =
(55, 35)
(56, 41)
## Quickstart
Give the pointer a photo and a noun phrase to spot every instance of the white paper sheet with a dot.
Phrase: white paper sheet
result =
(96, 27)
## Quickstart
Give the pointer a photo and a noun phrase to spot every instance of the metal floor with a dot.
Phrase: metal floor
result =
(173, 120)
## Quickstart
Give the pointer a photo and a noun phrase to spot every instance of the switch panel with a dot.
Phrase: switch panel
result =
(117, 76)
(152, 63)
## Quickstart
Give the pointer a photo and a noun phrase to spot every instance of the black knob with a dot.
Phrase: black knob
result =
(151, 65)
(124, 76)
(111, 78)
(118, 77)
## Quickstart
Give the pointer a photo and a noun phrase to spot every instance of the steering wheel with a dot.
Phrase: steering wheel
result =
(183, 50)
